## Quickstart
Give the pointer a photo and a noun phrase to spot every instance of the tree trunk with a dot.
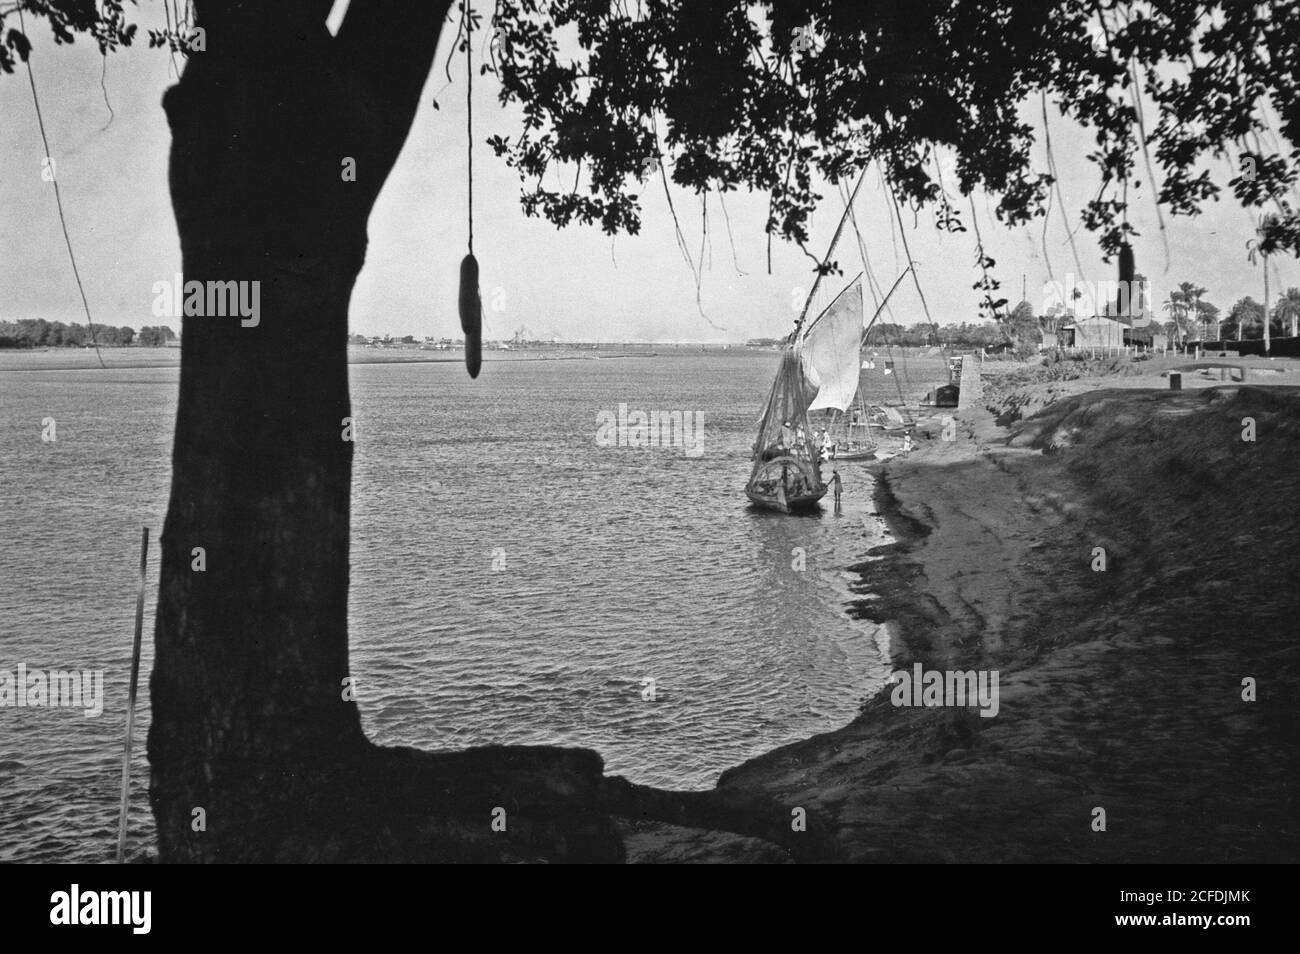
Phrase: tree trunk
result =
(256, 749)
(1267, 319)
(252, 646)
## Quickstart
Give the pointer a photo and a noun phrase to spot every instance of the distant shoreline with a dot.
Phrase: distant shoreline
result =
(84, 359)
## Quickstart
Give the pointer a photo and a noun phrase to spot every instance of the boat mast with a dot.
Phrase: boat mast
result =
(892, 289)
(834, 241)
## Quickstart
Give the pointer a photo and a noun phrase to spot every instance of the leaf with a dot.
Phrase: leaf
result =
(19, 43)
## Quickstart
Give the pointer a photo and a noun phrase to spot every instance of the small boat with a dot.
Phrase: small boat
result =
(890, 419)
(854, 453)
(846, 433)
(787, 472)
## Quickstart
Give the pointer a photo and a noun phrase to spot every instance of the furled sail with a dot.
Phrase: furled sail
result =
(786, 470)
(784, 428)
(829, 351)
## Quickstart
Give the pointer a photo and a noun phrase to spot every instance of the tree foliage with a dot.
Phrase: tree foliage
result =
(102, 20)
(39, 333)
(725, 95)
(722, 95)
(1244, 317)
(155, 336)
(1022, 327)
(1287, 311)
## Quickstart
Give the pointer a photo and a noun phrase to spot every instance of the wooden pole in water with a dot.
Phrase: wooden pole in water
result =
(130, 704)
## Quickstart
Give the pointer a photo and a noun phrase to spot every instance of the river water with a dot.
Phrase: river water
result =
(516, 577)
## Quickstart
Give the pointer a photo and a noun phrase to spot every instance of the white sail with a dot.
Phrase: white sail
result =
(829, 351)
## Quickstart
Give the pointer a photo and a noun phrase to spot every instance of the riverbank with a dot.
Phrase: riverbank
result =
(1120, 689)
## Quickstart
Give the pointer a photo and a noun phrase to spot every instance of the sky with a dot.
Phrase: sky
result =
(575, 283)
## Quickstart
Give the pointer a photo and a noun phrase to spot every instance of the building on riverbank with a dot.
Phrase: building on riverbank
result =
(1099, 334)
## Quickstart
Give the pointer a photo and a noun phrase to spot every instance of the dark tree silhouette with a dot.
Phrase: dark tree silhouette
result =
(250, 722)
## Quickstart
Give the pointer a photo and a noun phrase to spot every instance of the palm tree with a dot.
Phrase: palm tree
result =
(1176, 307)
(1245, 312)
(1255, 248)
(1139, 303)
(1208, 314)
(1191, 296)
(1288, 306)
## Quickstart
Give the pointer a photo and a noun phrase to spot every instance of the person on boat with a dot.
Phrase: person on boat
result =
(797, 487)
(827, 445)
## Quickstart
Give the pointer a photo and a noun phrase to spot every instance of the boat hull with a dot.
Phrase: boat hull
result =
(785, 484)
(785, 505)
(890, 419)
(865, 453)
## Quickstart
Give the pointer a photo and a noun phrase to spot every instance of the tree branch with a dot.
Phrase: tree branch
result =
(392, 43)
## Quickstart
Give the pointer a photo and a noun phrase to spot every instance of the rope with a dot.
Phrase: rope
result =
(58, 199)
(848, 208)
(469, 116)
(889, 351)
(1146, 155)
(1056, 184)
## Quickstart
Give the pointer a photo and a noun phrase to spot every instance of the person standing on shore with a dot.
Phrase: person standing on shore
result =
(835, 486)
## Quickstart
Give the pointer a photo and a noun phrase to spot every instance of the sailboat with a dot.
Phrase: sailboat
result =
(819, 369)
(848, 433)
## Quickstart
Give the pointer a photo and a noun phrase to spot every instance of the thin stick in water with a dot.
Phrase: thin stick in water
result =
(130, 704)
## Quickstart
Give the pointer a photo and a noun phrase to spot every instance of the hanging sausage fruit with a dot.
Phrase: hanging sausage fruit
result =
(471, 314)
(1126, 301)
(469, 302)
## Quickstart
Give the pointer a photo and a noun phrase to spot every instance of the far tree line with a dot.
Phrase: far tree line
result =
(1189, 316)
(1192, 316)
(39, 333)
